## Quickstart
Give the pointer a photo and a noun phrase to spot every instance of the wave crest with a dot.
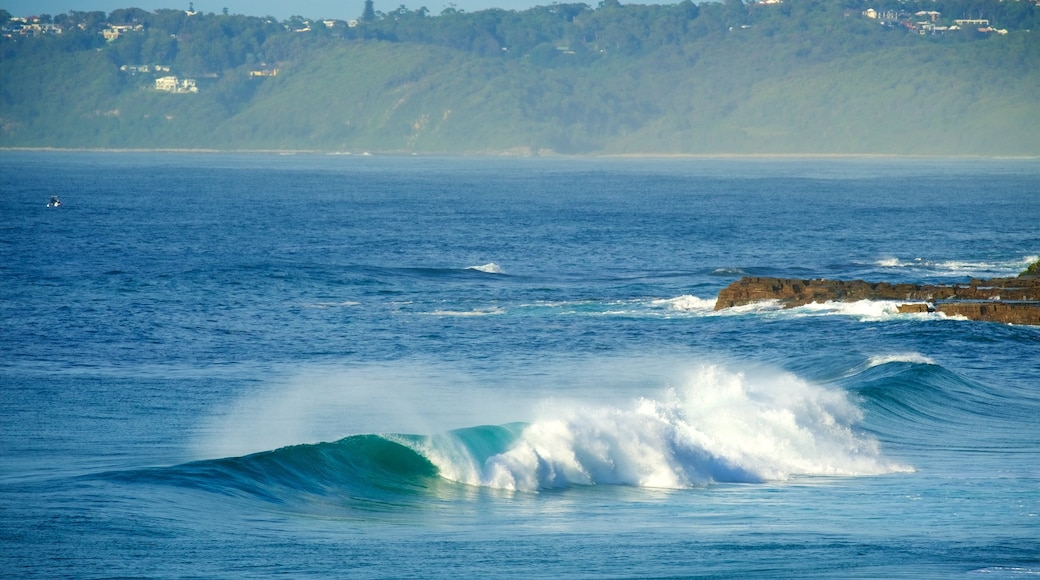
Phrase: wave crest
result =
(908, 357)
(719, 426)
(489, 268)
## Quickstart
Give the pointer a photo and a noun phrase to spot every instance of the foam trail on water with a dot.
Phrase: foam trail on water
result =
(467, 313)
(717, 426)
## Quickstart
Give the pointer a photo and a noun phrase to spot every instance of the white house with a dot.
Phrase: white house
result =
(172, 84)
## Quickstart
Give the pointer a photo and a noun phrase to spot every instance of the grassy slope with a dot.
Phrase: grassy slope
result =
(723, 94)
(923, 99)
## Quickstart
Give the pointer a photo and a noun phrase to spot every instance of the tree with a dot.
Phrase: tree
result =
(128, 16)
(736, 12)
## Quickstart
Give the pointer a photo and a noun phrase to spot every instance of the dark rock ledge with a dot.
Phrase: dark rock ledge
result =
(1007, 300)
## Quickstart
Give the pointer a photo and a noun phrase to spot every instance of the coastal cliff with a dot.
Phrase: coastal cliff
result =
(1008, 300)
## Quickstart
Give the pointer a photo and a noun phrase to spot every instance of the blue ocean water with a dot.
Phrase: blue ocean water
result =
(224, 365)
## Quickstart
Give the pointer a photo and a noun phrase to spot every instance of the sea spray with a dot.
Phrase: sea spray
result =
(316, 403)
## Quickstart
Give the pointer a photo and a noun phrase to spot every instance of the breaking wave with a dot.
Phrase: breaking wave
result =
(718, 426)
(715, 425)
(489, 268)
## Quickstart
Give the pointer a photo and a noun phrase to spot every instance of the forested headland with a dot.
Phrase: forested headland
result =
(917, 77)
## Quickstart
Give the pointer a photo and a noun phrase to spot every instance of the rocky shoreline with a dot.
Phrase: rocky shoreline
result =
(1007, 300)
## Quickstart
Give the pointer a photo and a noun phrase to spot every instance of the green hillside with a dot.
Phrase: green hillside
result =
(804, 76)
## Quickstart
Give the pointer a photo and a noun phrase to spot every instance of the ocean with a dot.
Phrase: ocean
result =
(250, 365)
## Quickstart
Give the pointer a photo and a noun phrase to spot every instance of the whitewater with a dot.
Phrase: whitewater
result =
(248, 365)
(720, 427)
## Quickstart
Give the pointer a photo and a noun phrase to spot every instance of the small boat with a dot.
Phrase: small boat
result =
(54, 202)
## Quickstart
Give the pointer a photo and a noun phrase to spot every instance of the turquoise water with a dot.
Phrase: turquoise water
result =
(256, 365)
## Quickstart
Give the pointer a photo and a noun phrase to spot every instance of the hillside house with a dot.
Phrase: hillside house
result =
(31, 26)
(172, 84)
(144, 68)
(113, 31)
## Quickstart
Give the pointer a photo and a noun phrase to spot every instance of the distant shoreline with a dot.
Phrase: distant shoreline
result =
(513, 154)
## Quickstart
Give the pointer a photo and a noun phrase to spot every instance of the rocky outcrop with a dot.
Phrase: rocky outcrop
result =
(1006, 312)
(1008, 300)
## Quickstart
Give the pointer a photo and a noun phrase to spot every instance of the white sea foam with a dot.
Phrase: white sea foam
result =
(889, 263)
(489, 268)
(759, 307)
(688, 303)
(863, 309)
(717, 426)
